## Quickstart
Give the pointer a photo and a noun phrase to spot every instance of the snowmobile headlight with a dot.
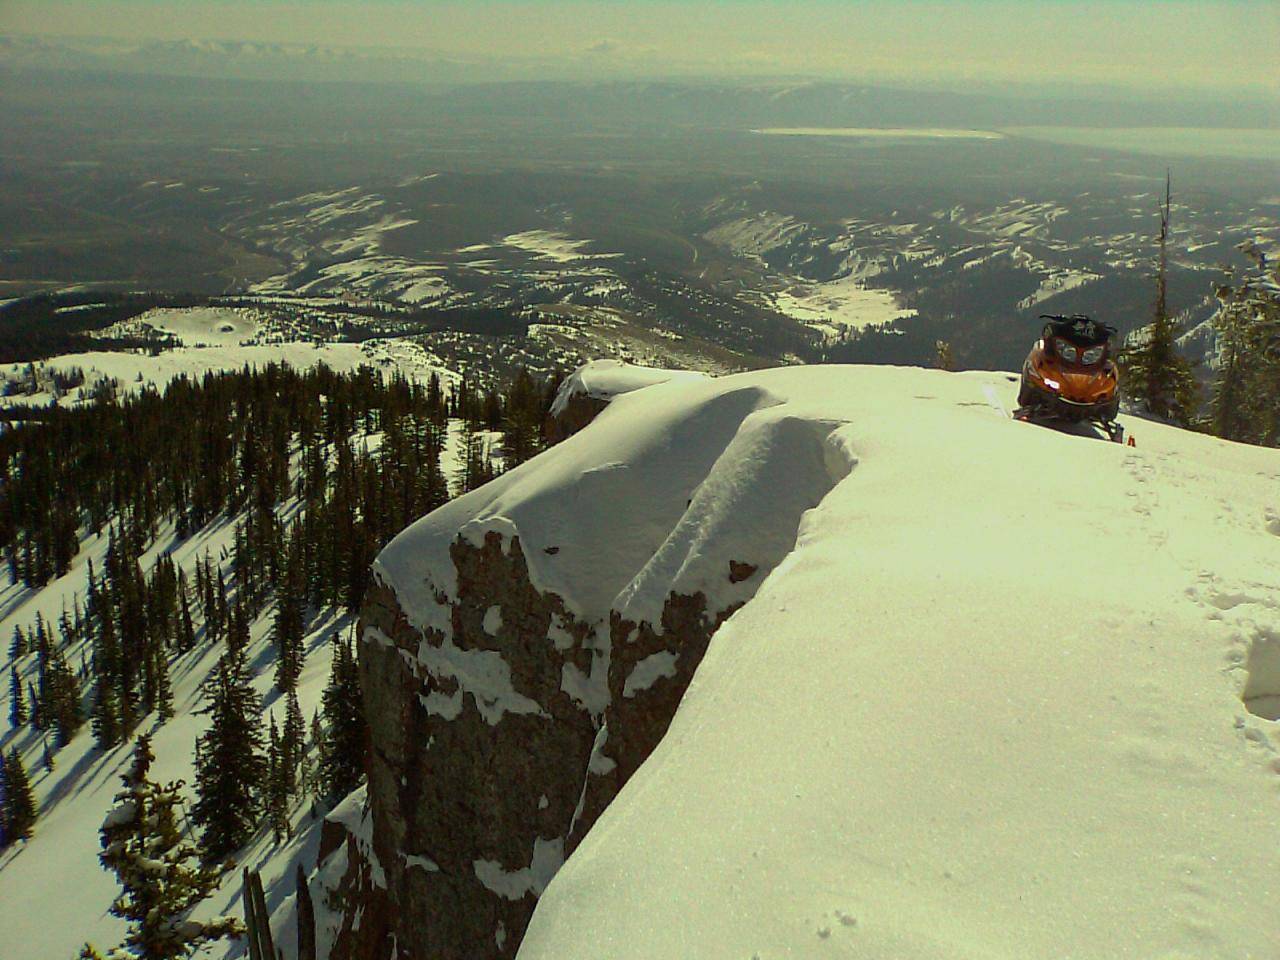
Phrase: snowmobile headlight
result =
(1067, 352)
(1092, 355)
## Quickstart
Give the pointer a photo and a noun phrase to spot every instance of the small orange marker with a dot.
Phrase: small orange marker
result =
(1131, 443)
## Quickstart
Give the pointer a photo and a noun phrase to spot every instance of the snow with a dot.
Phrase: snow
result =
(197, 326)
(550, 245)
(837, 306)
(626, 490)
(482, 674)
(492, 620)
(989, 704)
(606, 379)
(381, 277)
(648, 671)
(1056, 282)
(547, 857)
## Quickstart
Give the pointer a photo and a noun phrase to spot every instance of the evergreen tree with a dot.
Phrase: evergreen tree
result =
(17, 702)
(289, 628)
(277, 787)
(237, 621)
(477, 464)
(160, 876)
(521, 420)
(107, 728)
(164, 690)
(345, 745)
(1246, 398)
(19, 803)
(230, 765)
(293, 743)
(62, 700)
(186, 630)
(1156, 376)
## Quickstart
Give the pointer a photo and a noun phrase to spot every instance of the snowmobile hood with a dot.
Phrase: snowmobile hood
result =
(1074, 382)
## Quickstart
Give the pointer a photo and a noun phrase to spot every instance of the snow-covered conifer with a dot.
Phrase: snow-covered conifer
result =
(160, 875)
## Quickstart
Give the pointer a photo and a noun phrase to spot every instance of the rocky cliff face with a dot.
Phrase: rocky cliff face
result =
(525, 648)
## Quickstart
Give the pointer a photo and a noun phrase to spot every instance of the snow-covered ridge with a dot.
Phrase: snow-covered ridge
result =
(606, 379)
(1008, 693)
(662, 490)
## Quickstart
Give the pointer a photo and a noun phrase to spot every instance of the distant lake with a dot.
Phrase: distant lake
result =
(895, 133)
(1244, 144)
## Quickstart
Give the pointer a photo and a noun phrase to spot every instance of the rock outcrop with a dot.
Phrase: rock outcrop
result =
(525, 648)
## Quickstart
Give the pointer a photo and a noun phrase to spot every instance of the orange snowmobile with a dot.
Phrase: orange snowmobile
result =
(1069, 375)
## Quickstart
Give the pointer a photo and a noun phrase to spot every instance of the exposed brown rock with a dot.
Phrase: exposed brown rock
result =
(450, 789)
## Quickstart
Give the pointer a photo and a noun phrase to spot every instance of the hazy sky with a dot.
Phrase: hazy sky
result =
(1126, 42)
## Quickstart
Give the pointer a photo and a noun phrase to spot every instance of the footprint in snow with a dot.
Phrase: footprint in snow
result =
(1272, 520)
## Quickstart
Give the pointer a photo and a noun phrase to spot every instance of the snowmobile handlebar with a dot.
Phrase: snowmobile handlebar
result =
(1082, 324)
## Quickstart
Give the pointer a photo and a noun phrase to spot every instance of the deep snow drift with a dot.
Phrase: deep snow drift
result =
(1008, 695)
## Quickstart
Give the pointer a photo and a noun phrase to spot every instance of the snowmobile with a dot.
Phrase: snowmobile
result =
(1069, 376)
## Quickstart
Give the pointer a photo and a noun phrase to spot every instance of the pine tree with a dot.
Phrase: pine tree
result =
(164, 690)
(18, 645)
(521, 420)
(17, 702)
(277, 787)
(186, 630)
(293, 743)
(237, 622)
(62, 699)
(1246, 400)
(477, 463)
(160, 876)
(344, 748)
(230, 765)
(1156, 376)
(107, 728)
(19, 803)
(289, 628)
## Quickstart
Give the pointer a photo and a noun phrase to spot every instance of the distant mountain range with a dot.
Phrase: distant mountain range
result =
(570, 87)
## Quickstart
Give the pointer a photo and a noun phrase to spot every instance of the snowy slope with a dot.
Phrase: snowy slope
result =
(991, 705)
(53, 891)
(56, 876)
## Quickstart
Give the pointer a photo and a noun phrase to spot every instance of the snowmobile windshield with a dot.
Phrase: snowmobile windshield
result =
(1079, 330)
